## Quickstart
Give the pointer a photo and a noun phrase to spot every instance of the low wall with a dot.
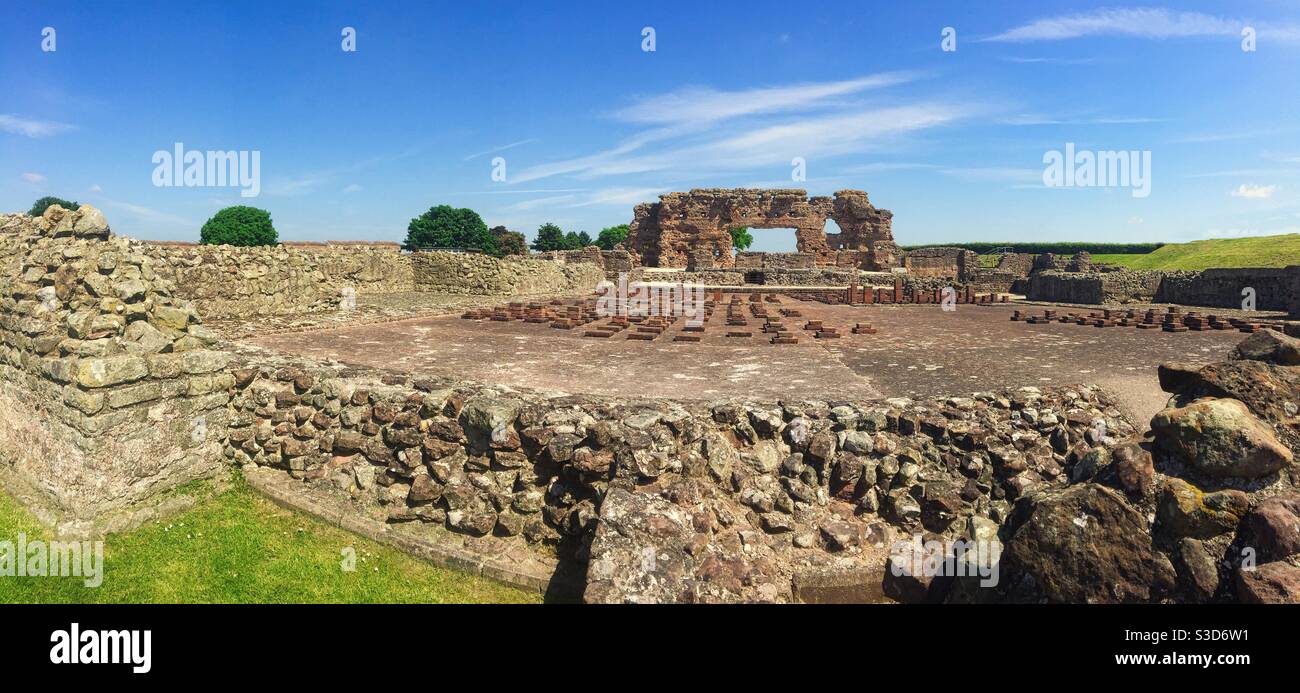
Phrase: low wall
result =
(476, 274)
(1275, 289)
(1094, 287)
(228, 281)
(954, 263)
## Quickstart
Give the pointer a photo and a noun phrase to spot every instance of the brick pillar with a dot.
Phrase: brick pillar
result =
(898, 290)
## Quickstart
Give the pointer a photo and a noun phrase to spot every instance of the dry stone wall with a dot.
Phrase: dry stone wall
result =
(108, 388)
(228, 281)
(476, 274)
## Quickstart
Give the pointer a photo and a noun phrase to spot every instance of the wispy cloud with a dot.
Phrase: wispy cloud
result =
(746, 148)
(1252, 191)
(1138, 22)
(1038, 119)
(502, 148)
(28, 127)
(702, 105)
(33, 177)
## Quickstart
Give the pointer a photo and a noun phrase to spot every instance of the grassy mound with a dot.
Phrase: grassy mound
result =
(1260, 251)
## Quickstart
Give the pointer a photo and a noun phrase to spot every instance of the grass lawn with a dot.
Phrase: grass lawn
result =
(1261, 251)
(238, 547)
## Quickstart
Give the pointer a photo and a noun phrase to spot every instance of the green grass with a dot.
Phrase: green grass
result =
(238, 547)
(1123, 260)
(1260, 251)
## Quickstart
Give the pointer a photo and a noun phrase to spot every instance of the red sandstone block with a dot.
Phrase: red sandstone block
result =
(598, 333)
(785, 340)
(643, 336)
(686, 338)
(827, 335)
(740, 334)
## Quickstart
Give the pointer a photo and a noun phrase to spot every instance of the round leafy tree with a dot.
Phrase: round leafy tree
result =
(611, 236)
(549, 237)
(445, 226)
(48, 201)
(239, 225)
(509, 242)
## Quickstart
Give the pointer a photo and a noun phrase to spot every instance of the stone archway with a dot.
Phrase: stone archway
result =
(668, 233)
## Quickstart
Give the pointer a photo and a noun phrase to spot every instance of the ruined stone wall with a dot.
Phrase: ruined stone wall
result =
(1094, 287)
(477, 274)
(107, 384)
(1275, 289)
(954, 263)
(802, 485)
(665, 233)
(228, 281)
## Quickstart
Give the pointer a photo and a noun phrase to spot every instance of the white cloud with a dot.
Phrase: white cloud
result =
(352, 188)
(31, 128)
(1251, 191)
(1140, 22)
(147, 214)
(502, 148)
(94, 187)
(702, 105)
(33, 178)
(819, 136)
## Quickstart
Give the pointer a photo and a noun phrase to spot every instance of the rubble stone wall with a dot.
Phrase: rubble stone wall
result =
(955, 263)
(107, 385)
(228, 281)
(477, 274)
(1275, 289)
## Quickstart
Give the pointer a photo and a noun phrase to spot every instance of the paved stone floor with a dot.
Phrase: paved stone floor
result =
(919, 350)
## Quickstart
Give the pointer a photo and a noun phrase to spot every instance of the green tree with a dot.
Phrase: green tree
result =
(509, 242)
(549, 237)
(584, 239)
(445, 226)
(239, 225)
(48, 201)
(741, 238)
(611, 236)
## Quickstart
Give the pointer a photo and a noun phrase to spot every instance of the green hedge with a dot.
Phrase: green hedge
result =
(1055, 248)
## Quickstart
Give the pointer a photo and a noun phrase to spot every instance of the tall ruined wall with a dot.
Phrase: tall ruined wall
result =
(665, 233)
(476, 274)
(228, 281)
(106, 383)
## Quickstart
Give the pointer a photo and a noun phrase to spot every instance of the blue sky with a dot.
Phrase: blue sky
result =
(354, 144)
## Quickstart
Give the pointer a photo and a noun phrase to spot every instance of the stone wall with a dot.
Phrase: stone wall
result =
(1275, 289)
(109, 391)
(954, 263)
(228, 281)
(802, 486)
(477, 274)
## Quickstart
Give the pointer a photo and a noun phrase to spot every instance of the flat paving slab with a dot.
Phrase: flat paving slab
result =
(916, 351)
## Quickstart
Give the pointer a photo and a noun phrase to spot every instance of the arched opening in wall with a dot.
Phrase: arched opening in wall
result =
(832, 234)
(773, 240)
